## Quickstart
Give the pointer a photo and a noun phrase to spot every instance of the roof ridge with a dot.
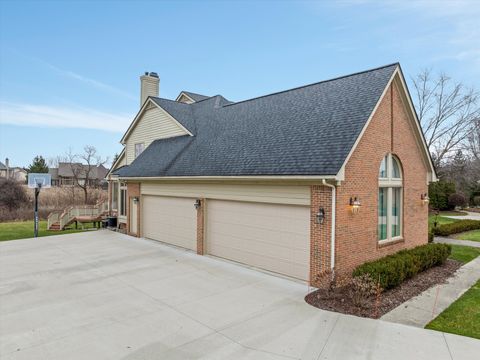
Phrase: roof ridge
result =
(315, 83)
(191, 92)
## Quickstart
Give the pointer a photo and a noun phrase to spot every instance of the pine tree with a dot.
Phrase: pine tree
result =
(38, 165)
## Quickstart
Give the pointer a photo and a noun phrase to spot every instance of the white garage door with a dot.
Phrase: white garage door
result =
(171, 220)
(268, 236)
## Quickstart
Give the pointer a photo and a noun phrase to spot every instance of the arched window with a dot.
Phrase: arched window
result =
(390, 196)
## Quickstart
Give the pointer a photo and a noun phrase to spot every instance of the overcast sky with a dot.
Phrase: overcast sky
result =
(69, 71)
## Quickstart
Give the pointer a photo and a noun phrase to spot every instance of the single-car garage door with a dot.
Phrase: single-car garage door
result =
(171, 220)
(268, 236)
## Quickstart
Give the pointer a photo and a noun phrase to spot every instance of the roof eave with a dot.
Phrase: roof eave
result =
(301, 178)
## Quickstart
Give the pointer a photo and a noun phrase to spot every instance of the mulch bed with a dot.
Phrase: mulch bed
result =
(339, 300)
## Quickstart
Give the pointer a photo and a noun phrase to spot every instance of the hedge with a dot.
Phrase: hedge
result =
(394, 269)
(456, 227)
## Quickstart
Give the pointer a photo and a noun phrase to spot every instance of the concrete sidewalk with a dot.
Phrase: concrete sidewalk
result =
(104, 295)
(470, 216)
(422, 309)
(451, 241)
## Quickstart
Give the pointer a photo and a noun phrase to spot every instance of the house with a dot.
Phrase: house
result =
(14, 173)
(303, 182)
(64, 174)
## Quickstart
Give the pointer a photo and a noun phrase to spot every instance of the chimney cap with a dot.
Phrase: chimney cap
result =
(153, 74)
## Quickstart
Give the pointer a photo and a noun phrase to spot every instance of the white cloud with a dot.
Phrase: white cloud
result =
(92, 82)
(61, 117)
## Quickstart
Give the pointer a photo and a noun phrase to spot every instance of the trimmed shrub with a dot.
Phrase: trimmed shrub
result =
(392, 270)
(457, 199)
(456, 227)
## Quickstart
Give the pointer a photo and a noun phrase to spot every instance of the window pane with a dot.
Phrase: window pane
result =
(396, 211)
(383, 168)
(115, 196)
(123, 200)
(395, 169)
(382, 213)
(139, 149)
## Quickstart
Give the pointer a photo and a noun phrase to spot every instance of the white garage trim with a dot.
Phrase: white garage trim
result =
(273, 237)
(172, 220)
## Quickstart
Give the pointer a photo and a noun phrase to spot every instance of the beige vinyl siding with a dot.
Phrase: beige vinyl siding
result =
(122, 161)
(277, 194)
(273, 237)
(154, 124)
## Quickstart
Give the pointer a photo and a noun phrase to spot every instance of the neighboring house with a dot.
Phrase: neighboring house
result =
(301, 182)
(64, 174)
(14, 173)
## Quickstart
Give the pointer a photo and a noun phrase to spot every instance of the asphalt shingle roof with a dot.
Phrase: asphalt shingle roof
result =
(303, 131)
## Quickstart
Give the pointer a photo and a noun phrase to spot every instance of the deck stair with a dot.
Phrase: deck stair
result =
(59, 220)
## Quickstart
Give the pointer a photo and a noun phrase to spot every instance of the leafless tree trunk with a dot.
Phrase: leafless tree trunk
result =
(83, 166)
(447, 111)
(474, 140)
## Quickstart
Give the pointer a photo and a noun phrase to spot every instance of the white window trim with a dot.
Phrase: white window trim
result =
(389, 183)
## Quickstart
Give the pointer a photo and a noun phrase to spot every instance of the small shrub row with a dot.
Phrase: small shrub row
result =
(456, 227)
(394, 269)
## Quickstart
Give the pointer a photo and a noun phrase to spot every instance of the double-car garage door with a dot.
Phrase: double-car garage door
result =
(273, 237)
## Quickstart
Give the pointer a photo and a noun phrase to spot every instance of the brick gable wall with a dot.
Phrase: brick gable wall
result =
(356, 234)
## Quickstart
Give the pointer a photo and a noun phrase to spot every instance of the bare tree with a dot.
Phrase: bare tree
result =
(447, 111)
(474, 140)
(83, 167)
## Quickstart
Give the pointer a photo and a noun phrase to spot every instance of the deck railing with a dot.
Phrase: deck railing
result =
(72, 213)
(53, 218)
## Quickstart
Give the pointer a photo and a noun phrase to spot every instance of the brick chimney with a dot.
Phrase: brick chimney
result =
(149, 86)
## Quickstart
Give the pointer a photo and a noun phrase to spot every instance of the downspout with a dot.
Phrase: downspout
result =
(332, 240)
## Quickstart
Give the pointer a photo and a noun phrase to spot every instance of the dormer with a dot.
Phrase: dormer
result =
(188, 97)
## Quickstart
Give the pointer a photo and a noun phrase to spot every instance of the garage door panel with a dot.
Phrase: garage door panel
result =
(254, 237)
(264, 261)
(170, 220)
(269, 236)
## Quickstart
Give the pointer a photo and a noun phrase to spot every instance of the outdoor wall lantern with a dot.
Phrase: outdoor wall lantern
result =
(320, 216)
(355, 205)
(136, 200)
(197, 204)
(425, 199)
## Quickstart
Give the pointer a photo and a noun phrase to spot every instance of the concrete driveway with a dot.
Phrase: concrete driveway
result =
(103, 295)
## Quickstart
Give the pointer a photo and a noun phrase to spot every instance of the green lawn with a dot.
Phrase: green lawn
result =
(473, 235)
(440, 219)
(464, 254)
(462, 317)
(24, 229)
